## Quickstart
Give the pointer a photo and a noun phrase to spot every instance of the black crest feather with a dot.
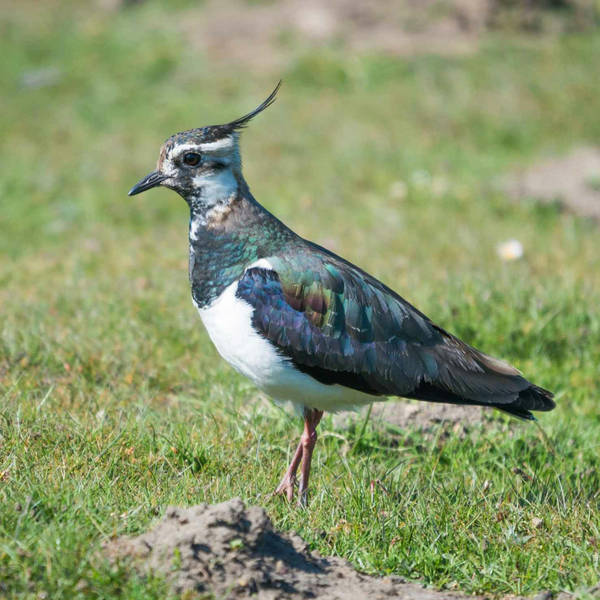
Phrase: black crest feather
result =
(211, 133)
(243, 121)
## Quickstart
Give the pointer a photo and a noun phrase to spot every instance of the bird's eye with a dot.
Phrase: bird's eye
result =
(191, 158)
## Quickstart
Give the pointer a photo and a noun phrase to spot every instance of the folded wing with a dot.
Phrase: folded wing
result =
(342, 326)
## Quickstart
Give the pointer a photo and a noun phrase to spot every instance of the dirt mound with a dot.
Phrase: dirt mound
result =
(415, 415)
(573, 180)
(233, 552)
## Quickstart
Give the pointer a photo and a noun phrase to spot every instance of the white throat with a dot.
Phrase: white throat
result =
(216, 186)
(216, 190)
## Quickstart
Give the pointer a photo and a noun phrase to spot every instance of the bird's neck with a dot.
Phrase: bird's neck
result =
(226, 237)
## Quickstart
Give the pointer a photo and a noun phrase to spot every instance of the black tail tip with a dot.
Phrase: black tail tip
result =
(536, 398)
(532, 398)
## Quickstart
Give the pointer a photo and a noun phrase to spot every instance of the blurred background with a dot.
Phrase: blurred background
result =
(449, 147)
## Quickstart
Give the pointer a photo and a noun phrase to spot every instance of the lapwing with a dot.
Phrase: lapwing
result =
(302, 323)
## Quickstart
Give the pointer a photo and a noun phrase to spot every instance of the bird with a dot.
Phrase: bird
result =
(303, 324)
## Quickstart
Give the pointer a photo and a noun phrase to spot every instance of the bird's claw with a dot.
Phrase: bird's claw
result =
(286, 488)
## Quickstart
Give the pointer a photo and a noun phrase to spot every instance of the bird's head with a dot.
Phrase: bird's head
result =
(203, 165)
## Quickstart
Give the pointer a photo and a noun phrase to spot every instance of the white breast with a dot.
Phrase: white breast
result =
(228, 321)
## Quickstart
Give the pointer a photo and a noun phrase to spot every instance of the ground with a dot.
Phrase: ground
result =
(115, 405)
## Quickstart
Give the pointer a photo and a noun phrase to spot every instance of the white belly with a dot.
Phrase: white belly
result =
(228, 321)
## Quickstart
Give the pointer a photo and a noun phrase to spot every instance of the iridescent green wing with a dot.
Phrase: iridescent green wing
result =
(342, 326)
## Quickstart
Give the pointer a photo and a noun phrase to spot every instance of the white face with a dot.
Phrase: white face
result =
(205, 174)
(206, 170)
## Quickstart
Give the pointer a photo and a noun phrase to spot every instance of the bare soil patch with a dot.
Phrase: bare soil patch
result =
(232, 551)
(228, 29)
(268, 34)
(572, 180)
(415, 415)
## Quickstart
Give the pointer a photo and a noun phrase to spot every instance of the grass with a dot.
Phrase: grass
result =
(115, 405)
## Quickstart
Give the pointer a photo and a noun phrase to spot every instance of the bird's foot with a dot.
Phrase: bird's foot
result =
(288, 483)
(286, 487)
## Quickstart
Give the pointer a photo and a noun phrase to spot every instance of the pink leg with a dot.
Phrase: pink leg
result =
(286, 486)
(302, 455)
(308, 441)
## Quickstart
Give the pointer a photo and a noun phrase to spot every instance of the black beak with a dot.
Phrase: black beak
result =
(150, 181)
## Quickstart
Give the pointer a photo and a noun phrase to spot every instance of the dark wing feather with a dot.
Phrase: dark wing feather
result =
(341, 325)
